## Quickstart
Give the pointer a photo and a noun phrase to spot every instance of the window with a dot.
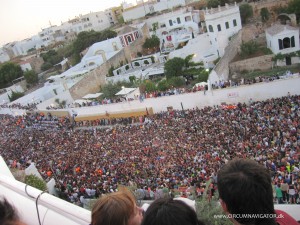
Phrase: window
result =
(227, 25)
(129, 39)
(178, 20)
(234, 23)
(219, 27)
(171, 22)
(210, 28)
(286, 42)
(280, 44)
(293, 42)
(188, 18)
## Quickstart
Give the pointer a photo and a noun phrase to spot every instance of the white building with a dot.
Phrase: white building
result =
(47, 35)
(4, 56)
(19, 48)
(149, 7)
(114, 14)
(175, 27)
(105, 49)
(222, 23)
(25, 66)
(96, 21)
(282, 39)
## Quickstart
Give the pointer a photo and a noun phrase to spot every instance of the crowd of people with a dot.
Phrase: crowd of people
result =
(170, 150)
(20, 106)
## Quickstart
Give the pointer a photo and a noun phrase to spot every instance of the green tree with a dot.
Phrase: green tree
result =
(246, 12)
(15, 95)
(174, 67)
(187, 60)
(8, 72)
(265, 14)
(154, 26)
(51, 57)
(36, 182)
(132, 79)
(294, 7)
(110, 71)
(152, 42)
(163, 85)
(46, 66)
(121, 20)
(31, 77)
(213, 3)
(110, 89)
(176, 81)
(87, 38)
(150, 86)
(203, 76)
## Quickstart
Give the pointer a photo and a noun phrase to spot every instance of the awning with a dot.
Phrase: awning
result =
(125, 91)
(91, 96)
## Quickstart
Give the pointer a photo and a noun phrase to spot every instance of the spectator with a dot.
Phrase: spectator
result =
(8, 215)
(168, 211)
(117, 208)
(246, 193)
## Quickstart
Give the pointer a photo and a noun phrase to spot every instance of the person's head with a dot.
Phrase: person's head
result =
(168, 211)
(8, 214)
(245, 188)
(118, 208)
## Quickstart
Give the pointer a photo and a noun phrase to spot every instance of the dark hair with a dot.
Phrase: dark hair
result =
(245, 187)
(8, 214)
(167, 211)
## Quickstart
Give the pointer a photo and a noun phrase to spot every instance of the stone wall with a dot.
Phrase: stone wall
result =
(222, 67)
(92, 81)
(262, 62)
(36, 64)
(270, 5)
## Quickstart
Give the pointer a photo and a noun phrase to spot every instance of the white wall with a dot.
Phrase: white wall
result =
(52, 210)
(4, 57)
(219, 16)
(259, 91)
(272, 41)
(135, 13)
(201, 47)
(26, 67)
(143, 9)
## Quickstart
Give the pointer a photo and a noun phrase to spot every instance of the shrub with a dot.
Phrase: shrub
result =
(163, 85)
(15, 95)
(150, 86)
(132, 79)
(36, 182)
(176, 81)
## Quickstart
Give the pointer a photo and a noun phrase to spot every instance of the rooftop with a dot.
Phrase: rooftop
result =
(278, 28)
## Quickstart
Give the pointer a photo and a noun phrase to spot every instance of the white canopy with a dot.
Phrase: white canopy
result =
(125, 91)
(200, 84)
(96, 95)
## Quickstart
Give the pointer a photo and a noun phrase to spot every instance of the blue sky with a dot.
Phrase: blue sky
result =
(20, 19)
